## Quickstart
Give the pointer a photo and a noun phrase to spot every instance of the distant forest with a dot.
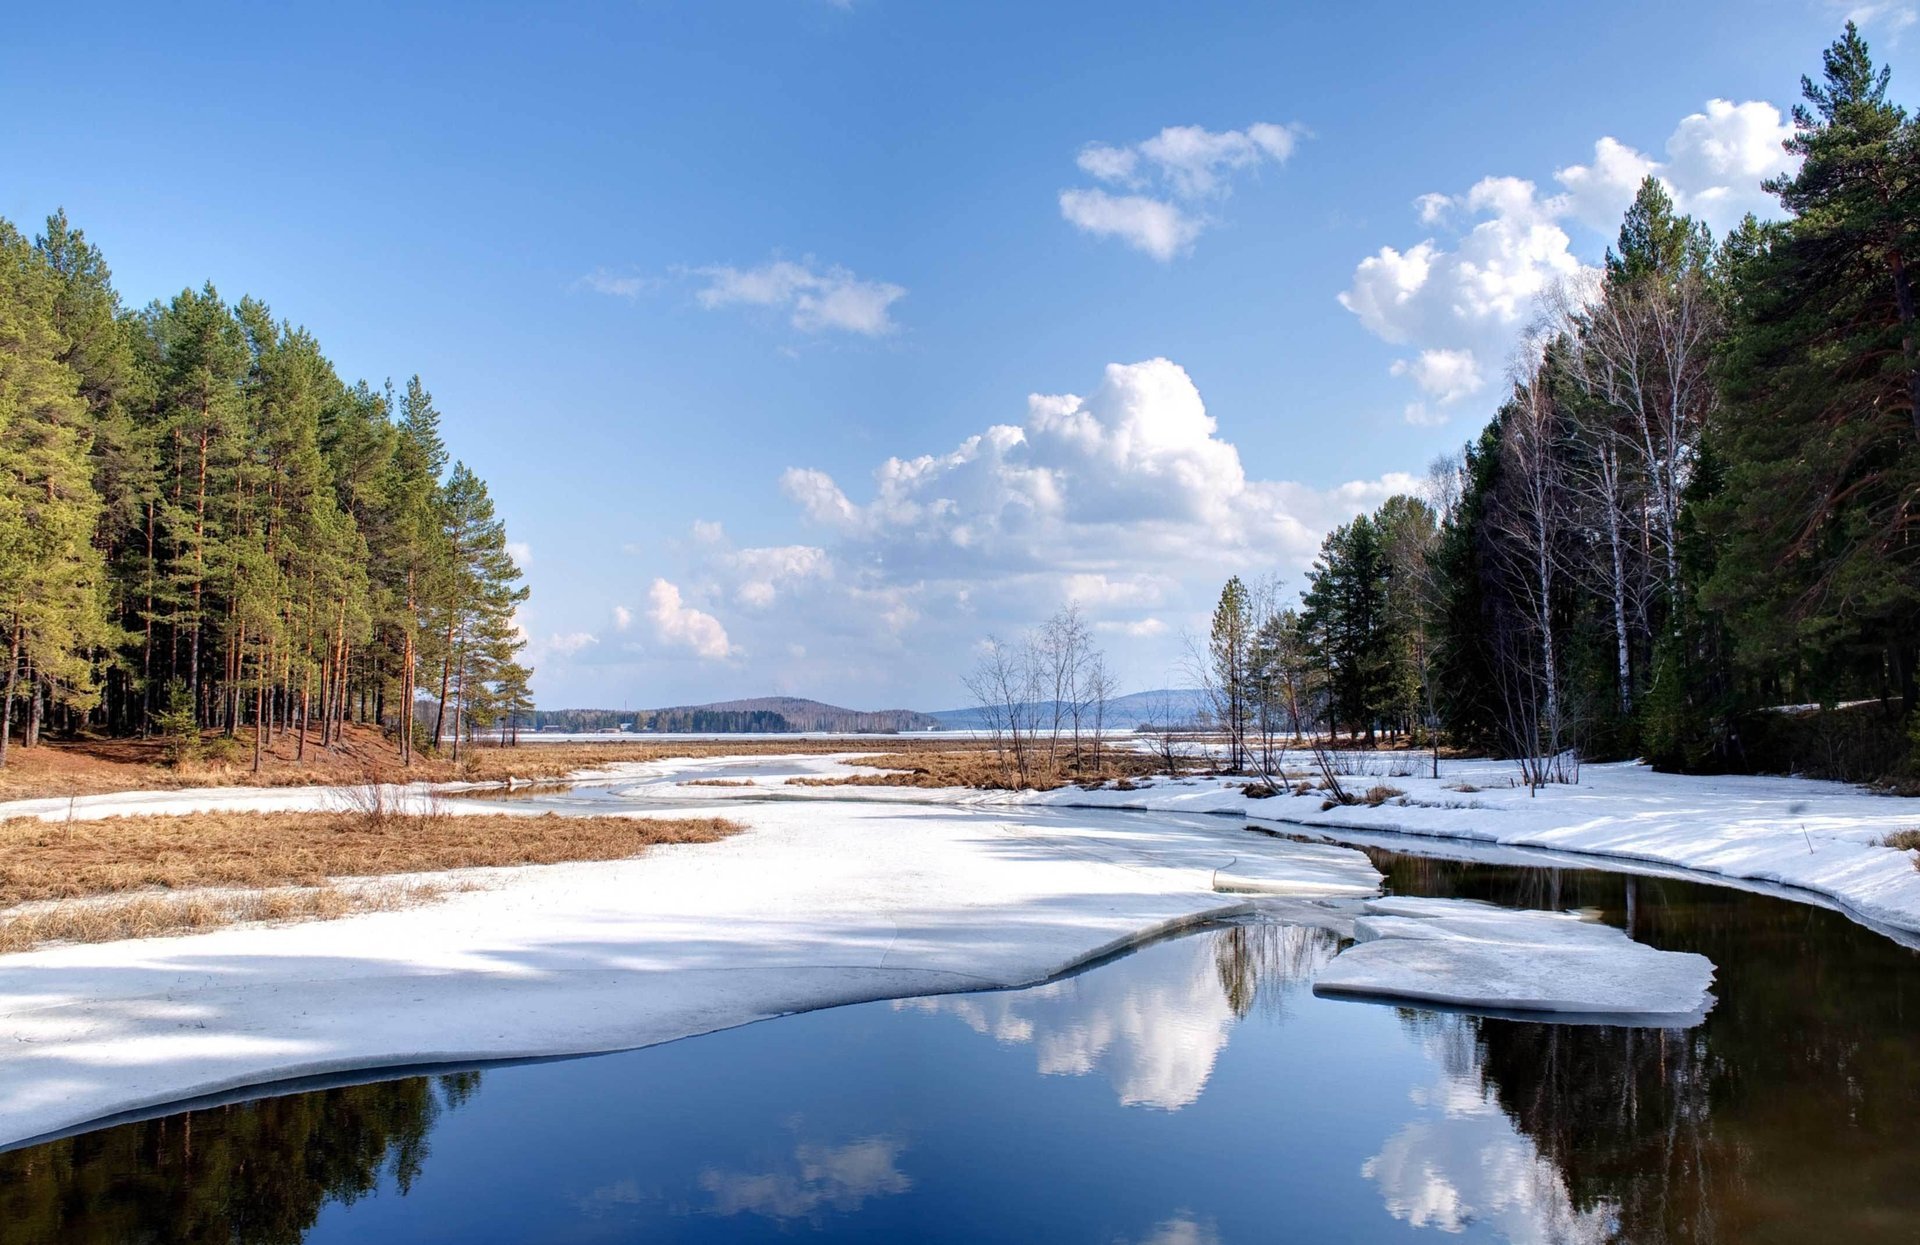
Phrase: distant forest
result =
(203, 526)
(768, 715)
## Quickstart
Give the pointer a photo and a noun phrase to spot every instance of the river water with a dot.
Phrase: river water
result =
(1194, 1092)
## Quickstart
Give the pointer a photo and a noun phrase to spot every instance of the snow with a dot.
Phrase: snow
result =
(1811, 838)
(841, 894)
(813, 905)
(1474, 956)
(1806, 838)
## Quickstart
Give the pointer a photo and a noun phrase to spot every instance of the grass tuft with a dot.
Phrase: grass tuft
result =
(42, 860)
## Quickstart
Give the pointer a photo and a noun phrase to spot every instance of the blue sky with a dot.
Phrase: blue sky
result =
(683, 277)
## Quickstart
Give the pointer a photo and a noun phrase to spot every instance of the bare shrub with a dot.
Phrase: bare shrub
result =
(1905, 840)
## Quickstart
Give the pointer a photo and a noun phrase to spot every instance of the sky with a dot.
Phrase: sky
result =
(806, 344)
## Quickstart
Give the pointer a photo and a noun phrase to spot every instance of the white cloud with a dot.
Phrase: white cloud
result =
(1162, 230)
(1444, 375)
(619, 285)
(816, 299)
(569, 643)
(1461, 297)
(1124, 499)
(622, 618)
(680, 625)
(1136, 629)
(1172, 175)
(764, 572)
(521, 553)
(1130, 500)
(1598, 193)
(1892, 16)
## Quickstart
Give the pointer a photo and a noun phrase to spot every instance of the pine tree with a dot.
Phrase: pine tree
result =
(52, 577)
(1345, 606)
(1230, 667)
(1820, 575)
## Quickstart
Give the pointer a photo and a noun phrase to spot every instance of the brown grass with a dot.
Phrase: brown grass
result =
(71, 860)
(973, 766)
(718, 782)
(1380, 794)
(152, 916)
(1905, 840)
(97, 765)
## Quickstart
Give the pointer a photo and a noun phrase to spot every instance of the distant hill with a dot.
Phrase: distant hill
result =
(765, 714)
(1179, 704)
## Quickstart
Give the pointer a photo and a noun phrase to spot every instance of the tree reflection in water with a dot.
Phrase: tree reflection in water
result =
(1788, 1116)
(254, 1173)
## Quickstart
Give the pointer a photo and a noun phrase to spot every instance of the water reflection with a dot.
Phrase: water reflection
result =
(1182, 1229)
(256, 1172)
(1156, 1030)
(1464, 1161)
(1193, 1093)
(839, 1178)
(1788, 1116)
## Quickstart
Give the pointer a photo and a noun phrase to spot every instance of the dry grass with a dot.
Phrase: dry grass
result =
(1905, 840)
(1380, 794)
(974, 766)
(72, 860)
(91, 766)
(718, 782)
(153, 916)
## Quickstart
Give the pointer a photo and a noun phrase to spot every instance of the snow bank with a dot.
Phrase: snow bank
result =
(1474, 956)
(813, 905)
(1803, 834)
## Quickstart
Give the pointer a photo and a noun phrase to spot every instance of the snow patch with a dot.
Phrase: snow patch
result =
(1478, 957)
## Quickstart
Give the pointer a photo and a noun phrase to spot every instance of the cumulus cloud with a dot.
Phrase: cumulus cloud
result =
(622, 618)
(678, 624)
(1161, 229)
(816, 299)
(765, 571)
(1120, 500)
(1170, 180)
(569, 643)
(1460, 298)
(521, 553)
(1129, 499)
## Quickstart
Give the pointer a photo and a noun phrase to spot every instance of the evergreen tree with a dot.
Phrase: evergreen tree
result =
(1819, 578)
(52, 578)
(1346, 610)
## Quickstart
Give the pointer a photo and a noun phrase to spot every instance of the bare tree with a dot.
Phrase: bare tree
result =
(1096, 689)
(1062, 647)
(1644, 349)
(1528, 523)
(1001, 685)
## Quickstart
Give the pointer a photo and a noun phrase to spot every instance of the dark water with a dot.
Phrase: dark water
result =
(1193, 1093)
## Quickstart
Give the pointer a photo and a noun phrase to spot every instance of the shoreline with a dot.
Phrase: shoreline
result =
(899, 892)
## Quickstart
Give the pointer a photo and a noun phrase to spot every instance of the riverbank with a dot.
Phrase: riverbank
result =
(798, 911)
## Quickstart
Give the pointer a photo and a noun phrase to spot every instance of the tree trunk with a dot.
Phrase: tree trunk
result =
(6, 704)
(1904, 300)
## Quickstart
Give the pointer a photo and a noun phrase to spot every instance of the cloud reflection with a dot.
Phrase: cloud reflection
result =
(839, 1178)
(1464, 1163)
(1157, 1029)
